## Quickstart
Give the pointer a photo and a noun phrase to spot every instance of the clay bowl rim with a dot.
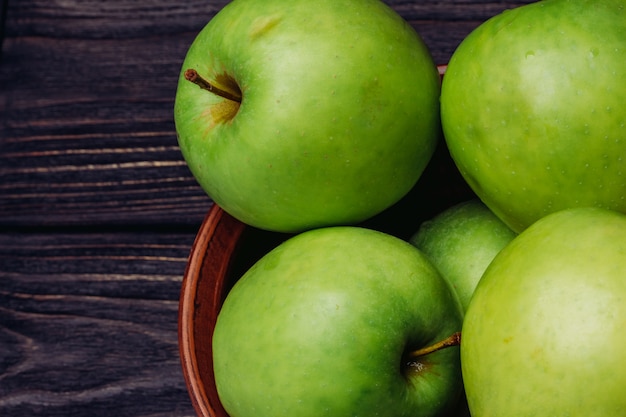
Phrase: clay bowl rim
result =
(210, 259)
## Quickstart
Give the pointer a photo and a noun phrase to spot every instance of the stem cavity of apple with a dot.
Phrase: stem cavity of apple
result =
(413, 362)
(452, 340)
(193, 76)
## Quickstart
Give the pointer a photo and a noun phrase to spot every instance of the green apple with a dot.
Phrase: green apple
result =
(532, 108)
(461, 242)
(328, 324)
(309, 113)
(544, 332)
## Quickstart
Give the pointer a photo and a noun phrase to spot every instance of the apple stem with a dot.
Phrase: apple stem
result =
(193, 76)
(452, 340)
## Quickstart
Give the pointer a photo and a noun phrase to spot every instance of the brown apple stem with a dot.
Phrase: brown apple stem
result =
(193, 76)
(453, 340)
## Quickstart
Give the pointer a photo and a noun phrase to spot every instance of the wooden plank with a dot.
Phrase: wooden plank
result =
(88, 87)
(87, 128)
(3, 13)
(95, 19)
(88, 324)
(88, 134)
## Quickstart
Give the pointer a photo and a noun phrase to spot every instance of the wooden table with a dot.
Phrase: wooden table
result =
(98, 210)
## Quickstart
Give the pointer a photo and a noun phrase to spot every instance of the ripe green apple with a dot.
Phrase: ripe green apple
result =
(532, 108)
(327, 324)
(461, 242)
(309, 113)
(544, 332)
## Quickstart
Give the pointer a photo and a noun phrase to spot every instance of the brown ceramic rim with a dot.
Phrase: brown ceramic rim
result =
(210, 259)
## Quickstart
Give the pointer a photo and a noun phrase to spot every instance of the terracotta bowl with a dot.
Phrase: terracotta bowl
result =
(225, 248)
(202, 293)
(221, 252)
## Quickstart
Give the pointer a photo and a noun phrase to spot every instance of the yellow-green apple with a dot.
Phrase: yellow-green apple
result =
(532, 108)
(544, 332)
(461, 241)
(300, 114)
(338, 321)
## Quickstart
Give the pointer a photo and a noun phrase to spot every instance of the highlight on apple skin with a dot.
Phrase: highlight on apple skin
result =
(339, 321)
(300, 114)
(461, 242)
(532, 109)
(544, 331)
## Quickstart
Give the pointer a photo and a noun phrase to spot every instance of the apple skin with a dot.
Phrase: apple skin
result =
(544, 332)
(319, 327)
(461, 242)
(339, 116)
(532, 109)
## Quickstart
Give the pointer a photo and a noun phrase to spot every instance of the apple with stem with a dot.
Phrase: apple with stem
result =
(532, 109)
(339, 321)
(544, 332)
(300, 114)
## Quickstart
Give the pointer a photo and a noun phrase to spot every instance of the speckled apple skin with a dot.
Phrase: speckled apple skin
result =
(319, 326)
(339, 117)
(544, 332)
(461, 242)
(533, 109)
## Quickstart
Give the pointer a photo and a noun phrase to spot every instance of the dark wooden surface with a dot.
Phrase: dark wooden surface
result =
(97, 208)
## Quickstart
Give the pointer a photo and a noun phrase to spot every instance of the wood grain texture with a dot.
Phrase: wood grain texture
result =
(88, 324)
(94, 19)
(3, 13)
(88, 133)
(87, 127)
(98, 210)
